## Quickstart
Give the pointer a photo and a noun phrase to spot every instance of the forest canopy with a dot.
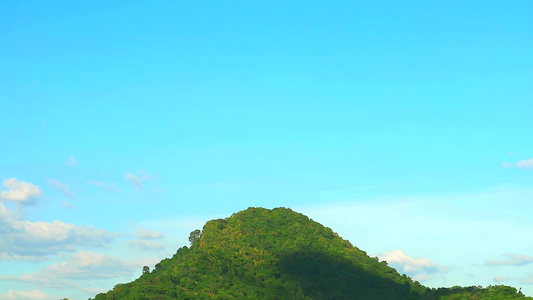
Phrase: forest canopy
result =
(281, 254)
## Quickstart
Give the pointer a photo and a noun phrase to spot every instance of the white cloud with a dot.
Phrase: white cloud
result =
(67, 204)
(525, 164)
(145, 176)
(133, 179)
(98, 183)
(408, 263)
(422, 277)
(4, 213)
(146, 245)
(25, 240)
(109, 186)
(63, 188)
(499, 279)
(6, 256)
(23, 295)
(512, 260)
(137, 180)
(88, 265)
(527, 280)
(419, 268)
(149, 235)
(522, 164)
(19, 191)
(79, 268)
(72, 161)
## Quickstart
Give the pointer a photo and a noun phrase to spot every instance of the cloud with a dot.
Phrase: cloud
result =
(25, 240)
(522, 164)
(149, 235)
(133, 179)
(98, 183)
(109, 186)
(408, 263)
(72, 161)
(499, 279)
(67, 204)
(419, 268)
(75, 269)
(525, 164)
(527, 280)
(512, 260)
(88, 265)
(63, 188)
(19, 191)
(137, 180)
(146, 245)
(23, 295)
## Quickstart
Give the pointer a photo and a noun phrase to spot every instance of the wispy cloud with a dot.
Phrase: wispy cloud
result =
(24, 295)
(76, 272)
(138, 179)
(110, 186)
(82, 265)
(419, 268)
(511, 260)
(133, 179)
(145, 240)
(522, 164)
(146, 245)
(72, 161)
(149, 235)
(528, 279)
(60, 186)
(19, 191)
(67, 204)
(499, 279)
(88, 265)
(98, 183)
(525, 164)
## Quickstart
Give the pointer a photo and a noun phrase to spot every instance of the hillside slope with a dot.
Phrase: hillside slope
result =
(278, 254)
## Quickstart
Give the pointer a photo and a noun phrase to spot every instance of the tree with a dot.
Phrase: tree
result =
(146, 270)
(195, 236)
(157, 267)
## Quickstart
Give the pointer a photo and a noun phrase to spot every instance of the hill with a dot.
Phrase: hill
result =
(280, 254)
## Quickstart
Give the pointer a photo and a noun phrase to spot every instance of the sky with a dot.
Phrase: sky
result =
(405, 126)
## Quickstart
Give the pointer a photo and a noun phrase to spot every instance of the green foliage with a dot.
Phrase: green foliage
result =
(280, 254)
(195, 236)
(497, 292)
(146, 270)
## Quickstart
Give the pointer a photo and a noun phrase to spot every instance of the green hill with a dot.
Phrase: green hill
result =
(280, 254)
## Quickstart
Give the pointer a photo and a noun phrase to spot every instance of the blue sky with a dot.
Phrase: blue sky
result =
(403, 125)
